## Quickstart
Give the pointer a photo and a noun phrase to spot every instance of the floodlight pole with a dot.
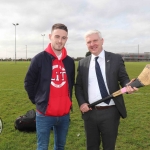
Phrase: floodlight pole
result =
(43, 40)
(15, 38)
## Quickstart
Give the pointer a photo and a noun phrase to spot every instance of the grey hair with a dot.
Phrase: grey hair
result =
(90, 32)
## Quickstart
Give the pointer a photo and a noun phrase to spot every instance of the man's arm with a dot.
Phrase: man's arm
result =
(79, 93)
(123, 76)
(124, 79)
(31, 80)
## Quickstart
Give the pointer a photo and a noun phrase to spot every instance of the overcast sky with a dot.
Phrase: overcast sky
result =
(124, 24)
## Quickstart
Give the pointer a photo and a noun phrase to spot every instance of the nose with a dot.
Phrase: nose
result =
(92, 43)
(60, 40)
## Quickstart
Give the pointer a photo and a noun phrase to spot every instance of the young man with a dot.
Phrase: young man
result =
(49, 83)
(98, 76)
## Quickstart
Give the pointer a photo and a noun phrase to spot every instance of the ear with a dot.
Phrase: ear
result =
(50, 36)
(102, 41)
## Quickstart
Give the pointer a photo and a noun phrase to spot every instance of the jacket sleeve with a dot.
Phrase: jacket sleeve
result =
(123, 76)
(31, 80)
(79, 92)
(73, 74)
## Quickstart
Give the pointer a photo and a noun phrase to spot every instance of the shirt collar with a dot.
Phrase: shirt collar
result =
(101, 55)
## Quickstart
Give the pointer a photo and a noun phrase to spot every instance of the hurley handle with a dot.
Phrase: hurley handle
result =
(101, 100)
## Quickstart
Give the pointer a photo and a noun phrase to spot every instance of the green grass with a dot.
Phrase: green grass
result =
(134, 131)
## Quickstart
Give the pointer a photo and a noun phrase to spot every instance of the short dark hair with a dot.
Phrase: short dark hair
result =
(59, 26)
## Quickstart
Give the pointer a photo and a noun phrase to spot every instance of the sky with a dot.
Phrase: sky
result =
(124, 24)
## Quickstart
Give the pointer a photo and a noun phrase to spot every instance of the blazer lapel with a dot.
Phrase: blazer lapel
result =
(107, 65)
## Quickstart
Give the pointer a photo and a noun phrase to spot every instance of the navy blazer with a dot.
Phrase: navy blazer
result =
(116, 76)
(38, 78)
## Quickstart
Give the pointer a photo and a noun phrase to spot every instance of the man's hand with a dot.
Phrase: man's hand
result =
(84, 108)
(129, 89)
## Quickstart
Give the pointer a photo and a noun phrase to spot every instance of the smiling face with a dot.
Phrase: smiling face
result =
(58, 39)
(94, 43)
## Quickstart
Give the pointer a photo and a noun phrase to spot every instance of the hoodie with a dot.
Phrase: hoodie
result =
(59, 102)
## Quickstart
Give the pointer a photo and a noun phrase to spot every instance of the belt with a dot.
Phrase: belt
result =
(102, 107)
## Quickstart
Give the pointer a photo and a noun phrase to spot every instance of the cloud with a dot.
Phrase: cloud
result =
(122, 23)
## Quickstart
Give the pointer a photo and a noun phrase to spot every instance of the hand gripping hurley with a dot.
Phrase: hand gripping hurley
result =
(142, 80)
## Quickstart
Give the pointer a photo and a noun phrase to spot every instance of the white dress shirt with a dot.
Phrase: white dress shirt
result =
(93, 87)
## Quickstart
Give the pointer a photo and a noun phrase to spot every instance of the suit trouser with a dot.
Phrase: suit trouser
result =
(101, 125)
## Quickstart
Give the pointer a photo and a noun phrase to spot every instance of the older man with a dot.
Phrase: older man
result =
(99, 75)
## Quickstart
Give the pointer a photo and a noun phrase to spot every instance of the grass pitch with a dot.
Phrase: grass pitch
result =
(134, 131)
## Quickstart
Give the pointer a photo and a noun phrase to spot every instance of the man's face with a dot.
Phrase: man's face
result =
(94, 43)
(58, 39)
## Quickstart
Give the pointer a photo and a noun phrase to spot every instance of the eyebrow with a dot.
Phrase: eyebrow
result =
(59, 36)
